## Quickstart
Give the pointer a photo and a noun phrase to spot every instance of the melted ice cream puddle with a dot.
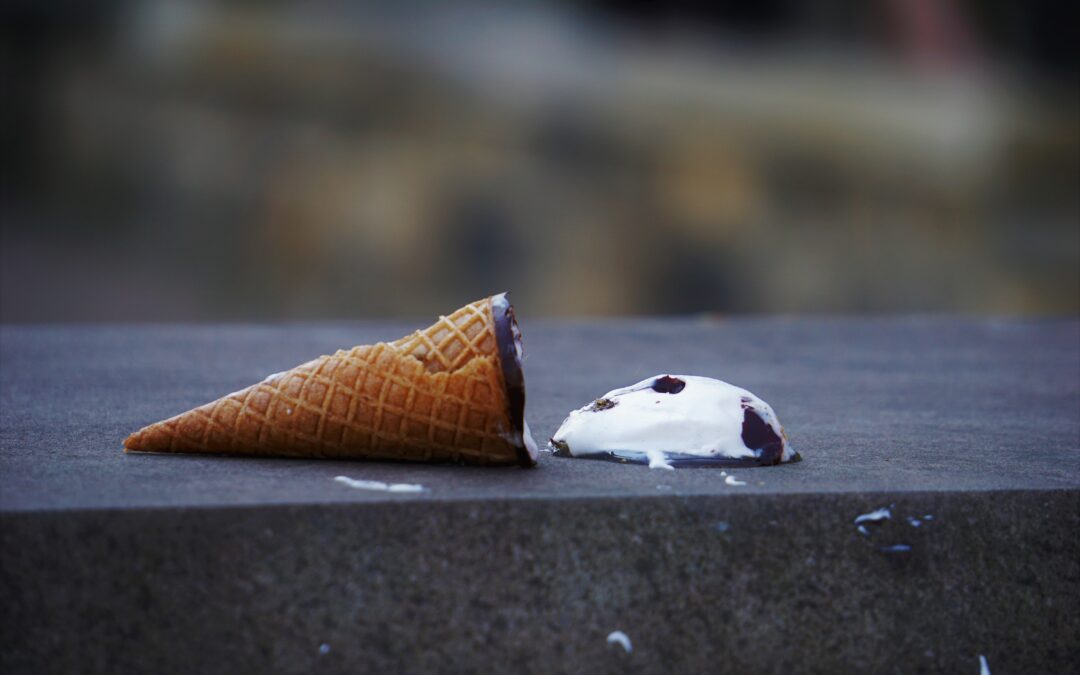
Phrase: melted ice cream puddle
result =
(667, 421)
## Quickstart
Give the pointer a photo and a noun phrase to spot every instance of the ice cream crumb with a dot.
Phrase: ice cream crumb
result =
(863, 531)
(324, 648)
(730, 480)
(620, 638)
(896, 548)
(379, 485)
(984, 669)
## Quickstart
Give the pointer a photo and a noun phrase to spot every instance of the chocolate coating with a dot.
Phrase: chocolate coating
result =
(760, 437)
(508, 341)
(668, 385)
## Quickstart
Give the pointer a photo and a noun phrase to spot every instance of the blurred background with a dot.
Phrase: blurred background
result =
(260, 161)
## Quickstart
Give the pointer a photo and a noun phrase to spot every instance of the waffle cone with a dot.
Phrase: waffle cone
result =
(451, 392)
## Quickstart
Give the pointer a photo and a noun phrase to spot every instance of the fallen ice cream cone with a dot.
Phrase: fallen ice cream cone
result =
(452, 392)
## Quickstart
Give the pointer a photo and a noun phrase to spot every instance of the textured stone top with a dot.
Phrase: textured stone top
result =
(872, 404)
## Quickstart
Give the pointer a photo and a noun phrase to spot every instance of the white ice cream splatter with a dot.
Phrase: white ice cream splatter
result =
(730, 480)
(620, 638)
(984, 669)
(379, 485)
(874, 516)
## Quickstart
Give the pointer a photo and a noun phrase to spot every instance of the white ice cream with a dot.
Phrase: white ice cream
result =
(378, 485)
(530, 442)
(875, 516)
(672, 418)
(620, 638)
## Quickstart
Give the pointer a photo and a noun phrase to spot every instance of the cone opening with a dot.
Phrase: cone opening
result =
(508, 341)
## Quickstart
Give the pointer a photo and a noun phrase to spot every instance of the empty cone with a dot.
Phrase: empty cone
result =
(452, 392)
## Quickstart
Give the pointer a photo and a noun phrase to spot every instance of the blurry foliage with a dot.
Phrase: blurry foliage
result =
(205, 161)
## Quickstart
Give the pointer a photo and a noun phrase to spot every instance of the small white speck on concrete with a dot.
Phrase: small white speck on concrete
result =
(874, 516)
(324, 649)
(620, 638)
(379, 485)
(984, 669)
(730, 480)
(896, 548)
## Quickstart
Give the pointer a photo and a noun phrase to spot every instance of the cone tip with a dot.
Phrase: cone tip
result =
(137, 441)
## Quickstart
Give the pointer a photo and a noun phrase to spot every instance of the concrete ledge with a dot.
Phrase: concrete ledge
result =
(699, 584)
(139, 563)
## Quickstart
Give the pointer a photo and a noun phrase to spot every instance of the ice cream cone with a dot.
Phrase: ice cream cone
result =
(452, 392)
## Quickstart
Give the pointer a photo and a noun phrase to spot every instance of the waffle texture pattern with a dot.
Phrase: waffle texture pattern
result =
(435, 395)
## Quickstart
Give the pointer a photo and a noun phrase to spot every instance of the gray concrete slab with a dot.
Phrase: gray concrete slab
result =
(872, 404)
(968, 430)
(733, 584)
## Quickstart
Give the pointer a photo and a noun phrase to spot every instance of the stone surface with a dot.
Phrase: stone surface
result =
(890, 404)
(113, 562)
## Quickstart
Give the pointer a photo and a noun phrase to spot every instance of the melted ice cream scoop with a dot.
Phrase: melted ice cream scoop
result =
(676, 420)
